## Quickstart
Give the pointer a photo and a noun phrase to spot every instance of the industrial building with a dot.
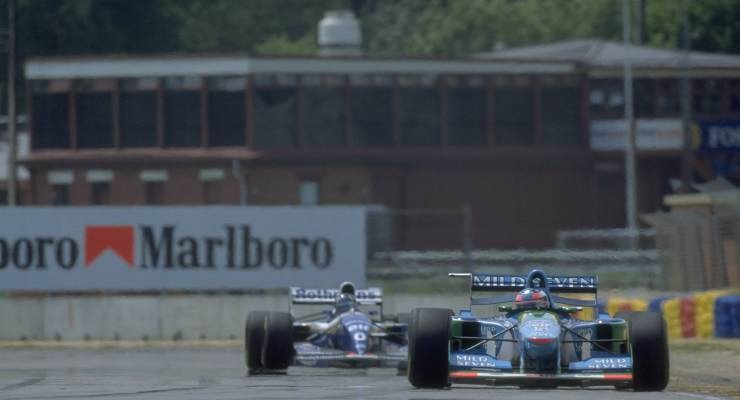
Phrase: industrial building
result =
(531, 139)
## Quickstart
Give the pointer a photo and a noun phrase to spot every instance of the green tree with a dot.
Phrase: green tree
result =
(238, 25)
(93, 26)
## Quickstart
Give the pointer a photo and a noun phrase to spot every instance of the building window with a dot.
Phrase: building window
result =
(213, 192)
(606, 98)
(99, 180)
(3, 197)
(707, 95)
(154, 181)
(94, 117)
(275, 112)
(182, 112)
(466, 116)
(59, 195)
(735, 96)
(138, 113)
(60, 182)
(308, 193)
(419, 110)
(668, 97)
(644, 95)
(324, 114)
(514, 116)
(99, 193)
(372, 116)
(182, 119)
(50, 115)
(561, 115)
(154, 193)
(734, 88)
(227, 111)
(213, 185)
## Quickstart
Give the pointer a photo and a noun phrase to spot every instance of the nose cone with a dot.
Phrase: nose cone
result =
(539, 337)
(541, 341)
(357, 329)
(360, 340)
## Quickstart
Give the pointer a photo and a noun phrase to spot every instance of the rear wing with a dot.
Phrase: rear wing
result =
(514, 283)
(508, 283)
(369, 296)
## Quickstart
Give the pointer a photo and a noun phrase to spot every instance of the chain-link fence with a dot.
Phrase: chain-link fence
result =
(425, 245)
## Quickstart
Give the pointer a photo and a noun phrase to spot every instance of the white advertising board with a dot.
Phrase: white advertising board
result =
(180, 248)
(650, 134)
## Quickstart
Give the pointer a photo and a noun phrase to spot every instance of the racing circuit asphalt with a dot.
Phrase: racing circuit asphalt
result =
(218, 373)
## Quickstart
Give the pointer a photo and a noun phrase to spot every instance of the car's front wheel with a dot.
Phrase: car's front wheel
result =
(277, 351)
(254, 337)
(649, 343)
(428, 352)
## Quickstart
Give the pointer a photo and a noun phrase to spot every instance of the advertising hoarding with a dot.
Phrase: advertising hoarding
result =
(650, 134)
(180, 248)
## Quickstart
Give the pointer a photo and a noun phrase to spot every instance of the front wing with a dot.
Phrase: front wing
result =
(323, 357)
(536, 379)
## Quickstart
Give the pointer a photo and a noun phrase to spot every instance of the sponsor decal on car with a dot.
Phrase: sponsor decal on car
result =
(603, 363)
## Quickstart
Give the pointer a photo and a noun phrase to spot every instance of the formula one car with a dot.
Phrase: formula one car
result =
(342, 336)
(537, 342)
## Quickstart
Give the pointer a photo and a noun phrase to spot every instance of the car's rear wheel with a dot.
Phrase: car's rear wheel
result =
(649, 343)
(428, 352)
(277, 351)
(254, 336)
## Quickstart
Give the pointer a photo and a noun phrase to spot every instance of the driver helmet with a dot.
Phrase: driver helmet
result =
(531, 299)
(347, 288)
(344, 302)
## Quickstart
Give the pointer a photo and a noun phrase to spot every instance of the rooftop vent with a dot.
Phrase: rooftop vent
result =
(339, 34)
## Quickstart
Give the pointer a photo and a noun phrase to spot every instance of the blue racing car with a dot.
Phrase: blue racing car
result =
(343, 336)
(536, 340)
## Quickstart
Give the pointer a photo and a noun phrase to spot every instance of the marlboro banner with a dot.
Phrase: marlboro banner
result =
(180, 248)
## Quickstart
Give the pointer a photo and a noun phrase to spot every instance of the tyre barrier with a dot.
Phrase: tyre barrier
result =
(714, 313)
(656, 304)
(617, 304)
(672, 316)
(687, 316)
(705, 312)
(727, 317)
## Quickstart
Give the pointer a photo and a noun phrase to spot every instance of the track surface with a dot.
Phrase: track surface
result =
(219, 374)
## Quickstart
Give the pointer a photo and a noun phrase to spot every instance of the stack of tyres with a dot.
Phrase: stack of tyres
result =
(672, 316)
(639, 305)
(617, 304)
(656, 304)
(687, 312)
(727, 317)
(705, 311)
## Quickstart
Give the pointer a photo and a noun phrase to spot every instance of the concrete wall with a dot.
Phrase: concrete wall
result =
(159, 317)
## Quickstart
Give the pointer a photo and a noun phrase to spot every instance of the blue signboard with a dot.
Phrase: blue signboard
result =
(716, 136)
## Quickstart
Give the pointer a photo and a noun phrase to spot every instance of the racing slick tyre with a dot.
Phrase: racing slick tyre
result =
(277, 350)
(649, 342)
(428, 351)
(254, 336)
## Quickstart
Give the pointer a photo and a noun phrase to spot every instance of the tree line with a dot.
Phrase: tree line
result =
(426, 28)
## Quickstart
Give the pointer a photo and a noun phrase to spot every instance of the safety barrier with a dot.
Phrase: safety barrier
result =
(727, 316)
(616, 304)
(714, 313)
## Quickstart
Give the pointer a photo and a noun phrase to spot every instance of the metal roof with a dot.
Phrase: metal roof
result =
(606, 54)
(223, 65)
